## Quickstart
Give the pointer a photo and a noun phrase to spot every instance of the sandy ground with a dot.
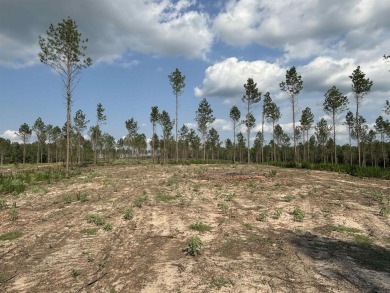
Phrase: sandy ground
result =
(243, 252)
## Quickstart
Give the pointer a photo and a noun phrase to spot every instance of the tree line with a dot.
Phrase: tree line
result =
(64, 51)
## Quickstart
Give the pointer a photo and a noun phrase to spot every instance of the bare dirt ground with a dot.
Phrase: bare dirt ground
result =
(254, 245)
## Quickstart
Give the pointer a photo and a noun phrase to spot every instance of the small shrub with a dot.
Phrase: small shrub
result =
(96, 219)
(384, 211)
(102, 263)
(90, 257)
(199, 226)
(262, 217)
(344, 229)
(75, 273)
(223, 207)
(298, 214)
(68, 199)
(140, 200)
(11, 235)
(277, 213)
(128, 214)
(82, 196)
(194, 246)
(107, 226)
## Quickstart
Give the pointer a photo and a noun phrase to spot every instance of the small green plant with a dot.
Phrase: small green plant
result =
(96, 219)
(341, 228)
(363, 239)
(289, 198)
(107, 226)
(194, 246)
(128, 214)
(82, 196)
(75, 273)
(277, 213)
(272, 173)
(164, 197)
(219, 283)
(223, 207)
(230, 196)
(3, 204)
(173, 180)
(140, 200)
(197, 187)
(262, 217)
(13, 213)
(68, 199)
(11, 235)
(384, 211)
(102, 263)
(248, 226)
(199, 226)
(89, 232)
(298, 214)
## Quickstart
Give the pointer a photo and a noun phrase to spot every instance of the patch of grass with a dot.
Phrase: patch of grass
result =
(298, 214)
(139, 200)
(344, 229)
(272, 173)
(68, 199)
(82, 196)
(230, 196)
(11, 235)
(197, 187)
(248, 226)
(277, 213)
(89, 232)
(223, 207)
(194, 246)
(164, 197)
(384, 211)
(102, 263)
(13, 213)
(262, 217)
(75, 273)
(90, 257)
(107, 226)
(199, 226)
(128, 214)
(289, 198)
(96, 219)
(363, 239)
(173, 180)
(219, 283)
(3, 204)
(3, 276)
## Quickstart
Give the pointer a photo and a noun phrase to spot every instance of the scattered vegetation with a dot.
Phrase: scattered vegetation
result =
(89, 232)
(194, 246)
(11, 235)
(96, 219)
(128, 214)
(199, 226)
(262, 217)
(13, 213)
(298, 214)
(139, 200)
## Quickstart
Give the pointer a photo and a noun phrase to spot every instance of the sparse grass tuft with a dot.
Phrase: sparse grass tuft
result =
(139, 200)
(75, 273)
(89, 232)
(13, 213)
(194, 246)
(219, 283)
(344, 229)
(289, 198)
(128, 214)
(199, 226)
(96, 219)
(107, 226)
(298, 214)
(11, 235)
(277, 213)
(262, 217)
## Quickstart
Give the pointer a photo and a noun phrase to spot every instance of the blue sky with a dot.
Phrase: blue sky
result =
(217, 45)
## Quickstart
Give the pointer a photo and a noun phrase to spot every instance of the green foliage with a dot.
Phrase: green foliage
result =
(3, 204)
(298, 214)
(11, 235)
(223, 207)
(384, 211)
(262, 217)
(199, 226)
(194, 246)
(289, 198)
(363, 239)
(13, 213)
(89, 232)
(128, 214)
(82, 196)
(139, 200)
(75, 273)
(164, 197)
(96, 219)
(90, 257)
(107, 226)
(219, 283)
(68, 199)
(277, 213)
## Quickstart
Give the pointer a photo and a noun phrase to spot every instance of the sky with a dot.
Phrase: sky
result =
(217, 45)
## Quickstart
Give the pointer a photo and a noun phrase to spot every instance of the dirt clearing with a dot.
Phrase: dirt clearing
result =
(126, 228)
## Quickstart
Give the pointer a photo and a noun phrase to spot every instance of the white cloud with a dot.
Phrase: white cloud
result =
(11, 135)
(172, 28)
(226, 79)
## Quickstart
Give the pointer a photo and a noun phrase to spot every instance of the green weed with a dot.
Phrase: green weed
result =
(89, 232)
(199, 226)
(128, 214)
(298, 214)
(262, 217)
(194, 246)
(11, 235)
(96, 219)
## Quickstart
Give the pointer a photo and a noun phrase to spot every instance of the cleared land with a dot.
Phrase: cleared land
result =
(126, 228)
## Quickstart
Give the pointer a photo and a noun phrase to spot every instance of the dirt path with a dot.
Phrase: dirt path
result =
(341, 245)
